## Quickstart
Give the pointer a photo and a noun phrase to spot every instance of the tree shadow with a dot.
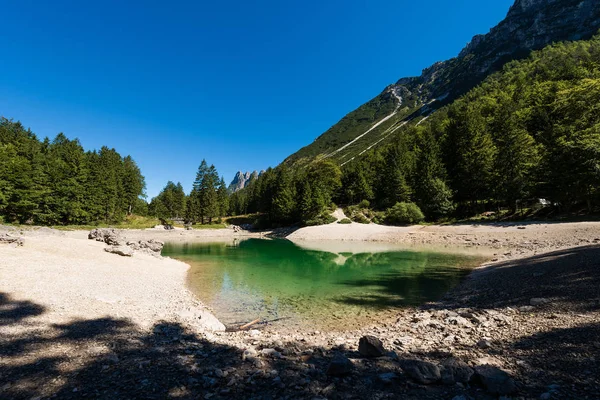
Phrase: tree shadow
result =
(12, 311)
(566, 277)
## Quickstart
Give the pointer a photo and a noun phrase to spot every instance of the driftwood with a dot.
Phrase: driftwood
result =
(249, 324)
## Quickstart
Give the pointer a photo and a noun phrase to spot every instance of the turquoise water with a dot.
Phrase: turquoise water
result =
(279, 281)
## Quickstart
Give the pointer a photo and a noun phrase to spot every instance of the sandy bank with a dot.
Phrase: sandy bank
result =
(508, 241)
(72, 277)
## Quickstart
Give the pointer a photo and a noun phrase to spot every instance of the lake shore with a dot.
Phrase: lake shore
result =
(98, 318)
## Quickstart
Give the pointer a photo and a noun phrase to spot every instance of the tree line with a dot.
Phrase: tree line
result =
(531, 131)
(56, 182)
(208, 200)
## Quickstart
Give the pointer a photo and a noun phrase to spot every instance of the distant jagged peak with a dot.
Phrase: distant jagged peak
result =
(242, 179)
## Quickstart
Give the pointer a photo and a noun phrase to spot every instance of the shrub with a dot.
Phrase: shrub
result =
(322, 219)
(404, 214)
(360, 218)
(345, 221)
(364, 204)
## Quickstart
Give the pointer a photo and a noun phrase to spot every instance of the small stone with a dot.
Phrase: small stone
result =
(340, 366)
(370, 346)
(270, 353)
(421, 371)
(249, 353)
(484, 344)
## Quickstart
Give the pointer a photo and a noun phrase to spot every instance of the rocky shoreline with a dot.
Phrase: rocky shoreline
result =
(525, 326)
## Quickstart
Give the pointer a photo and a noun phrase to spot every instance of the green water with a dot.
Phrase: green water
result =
(279, 281)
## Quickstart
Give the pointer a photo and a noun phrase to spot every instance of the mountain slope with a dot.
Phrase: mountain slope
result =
(529, 25)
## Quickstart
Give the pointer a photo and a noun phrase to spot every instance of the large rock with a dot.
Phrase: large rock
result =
(454, 370)
(340, 366)
(8, 239)
(150, 246)
(370, 346)
(107, 235)
(421, 371)
(494, 380)
(124, 251)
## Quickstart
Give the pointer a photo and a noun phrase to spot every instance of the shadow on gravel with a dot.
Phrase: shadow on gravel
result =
(112, 359)
(571, 277)
(13, 311)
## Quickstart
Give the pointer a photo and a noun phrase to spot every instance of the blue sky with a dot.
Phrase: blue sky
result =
(242, 84)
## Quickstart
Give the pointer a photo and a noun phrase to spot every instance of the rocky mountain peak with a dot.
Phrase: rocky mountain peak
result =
(242, 179)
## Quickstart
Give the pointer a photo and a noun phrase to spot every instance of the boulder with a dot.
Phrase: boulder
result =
(107, 235)
(340, 366)
(494, 380)
(124, 251)
(370, 346)
(8, 239)
(421, 371)
(454, 370)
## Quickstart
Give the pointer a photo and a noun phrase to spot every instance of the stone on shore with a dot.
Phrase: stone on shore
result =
(494, 380)
(421, 371)
(340, 366)
(370, 346)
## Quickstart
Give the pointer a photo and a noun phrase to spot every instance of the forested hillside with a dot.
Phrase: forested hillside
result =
(530, 131)
(529, 25)
(57, 182)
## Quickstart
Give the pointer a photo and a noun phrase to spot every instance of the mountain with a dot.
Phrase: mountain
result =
(529, 25)
(242, 179)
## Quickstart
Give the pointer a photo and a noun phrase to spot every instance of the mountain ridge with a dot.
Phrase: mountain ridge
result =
(529, 25)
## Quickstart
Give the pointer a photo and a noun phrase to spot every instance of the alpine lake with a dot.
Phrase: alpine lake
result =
(326, 286)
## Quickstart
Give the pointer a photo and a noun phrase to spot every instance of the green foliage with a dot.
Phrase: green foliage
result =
(345, 221)
(57, 183)
(404, 214)
(322, 219)
(170, 202)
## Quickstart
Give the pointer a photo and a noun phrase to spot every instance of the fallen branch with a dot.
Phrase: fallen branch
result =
(249, 324)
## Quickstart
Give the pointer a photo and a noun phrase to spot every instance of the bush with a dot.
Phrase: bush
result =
(360, 218)
(322, 219)
(345, 221)
(364, 204)
(404, 214)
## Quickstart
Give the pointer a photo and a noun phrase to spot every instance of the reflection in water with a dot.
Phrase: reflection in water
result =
(274, 279)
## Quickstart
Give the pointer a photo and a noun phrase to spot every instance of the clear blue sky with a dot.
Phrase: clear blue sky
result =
(240, 83)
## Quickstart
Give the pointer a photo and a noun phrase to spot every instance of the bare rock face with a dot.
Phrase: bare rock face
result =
(529, 25)
(243, 179)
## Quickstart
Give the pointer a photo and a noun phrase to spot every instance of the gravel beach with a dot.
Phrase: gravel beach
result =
(77, 321)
